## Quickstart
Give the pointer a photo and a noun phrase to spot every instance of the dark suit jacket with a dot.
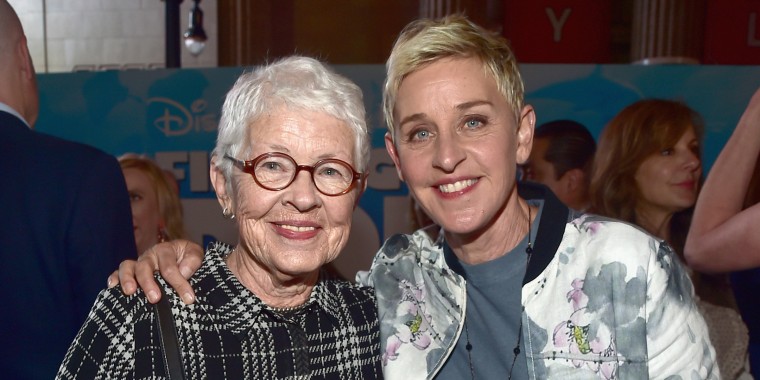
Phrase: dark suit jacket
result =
(65, 224)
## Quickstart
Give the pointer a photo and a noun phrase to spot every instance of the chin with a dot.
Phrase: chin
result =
(681, 207)
(463, 227)
(300, 267)
(299, 273)
(688, 202)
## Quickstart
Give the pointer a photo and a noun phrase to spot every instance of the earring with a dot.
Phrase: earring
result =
(227, 214)
(162, 236)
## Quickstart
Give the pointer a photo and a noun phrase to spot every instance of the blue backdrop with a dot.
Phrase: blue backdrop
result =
(172, 116)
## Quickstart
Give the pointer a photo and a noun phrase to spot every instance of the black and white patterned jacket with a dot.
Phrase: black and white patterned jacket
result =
(229, 333)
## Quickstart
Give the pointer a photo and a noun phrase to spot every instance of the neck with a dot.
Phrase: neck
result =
(654, 222)
(275, 289)
(503, 235)
(583, 203)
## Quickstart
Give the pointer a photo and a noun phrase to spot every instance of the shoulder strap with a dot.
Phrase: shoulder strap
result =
(168, 338)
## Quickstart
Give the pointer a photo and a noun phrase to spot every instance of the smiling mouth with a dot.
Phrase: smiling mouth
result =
(457, 186)
(297, 228)
(688, 184)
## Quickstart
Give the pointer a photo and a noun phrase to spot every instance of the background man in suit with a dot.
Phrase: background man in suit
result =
(563, 151)
(65, 222)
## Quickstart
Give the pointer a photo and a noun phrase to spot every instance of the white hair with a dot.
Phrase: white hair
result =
(297, 83)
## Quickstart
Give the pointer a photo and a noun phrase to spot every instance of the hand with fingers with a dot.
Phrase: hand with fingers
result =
(176, 261)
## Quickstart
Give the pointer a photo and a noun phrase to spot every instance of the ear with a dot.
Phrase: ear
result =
(219, 182)
(525, 126)
(362, 188)
(390, 146)
(29, 94)
(572, 180)
(25, 60)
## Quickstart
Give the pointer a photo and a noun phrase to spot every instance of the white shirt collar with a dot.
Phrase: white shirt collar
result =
(7, 108)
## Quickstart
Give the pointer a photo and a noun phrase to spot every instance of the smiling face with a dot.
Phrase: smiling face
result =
(668, 181)
(292, 232)
(457, 143)
(146, 217)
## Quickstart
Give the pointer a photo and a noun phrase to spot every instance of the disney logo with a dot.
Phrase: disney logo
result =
(176, 120)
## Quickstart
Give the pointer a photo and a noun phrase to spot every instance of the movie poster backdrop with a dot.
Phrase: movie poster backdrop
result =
(172, 116)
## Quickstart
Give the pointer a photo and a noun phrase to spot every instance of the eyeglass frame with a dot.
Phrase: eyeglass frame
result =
(248, 166)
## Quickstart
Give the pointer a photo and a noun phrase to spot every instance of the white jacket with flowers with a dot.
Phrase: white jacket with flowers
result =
(601, 298)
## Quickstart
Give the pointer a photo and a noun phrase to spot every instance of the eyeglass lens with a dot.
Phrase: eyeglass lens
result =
(330, 177)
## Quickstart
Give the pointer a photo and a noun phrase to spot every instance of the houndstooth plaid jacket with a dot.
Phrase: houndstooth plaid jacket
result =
(230, 333)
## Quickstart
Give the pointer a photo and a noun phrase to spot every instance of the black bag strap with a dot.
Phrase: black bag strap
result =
(168, 338)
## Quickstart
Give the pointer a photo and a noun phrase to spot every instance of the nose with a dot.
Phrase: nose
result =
(302, 193)
(448, 153)
(692, 161)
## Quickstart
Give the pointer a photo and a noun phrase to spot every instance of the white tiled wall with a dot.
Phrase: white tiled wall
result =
(107, 33)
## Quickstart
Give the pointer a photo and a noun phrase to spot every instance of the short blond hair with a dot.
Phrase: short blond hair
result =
(425, 41)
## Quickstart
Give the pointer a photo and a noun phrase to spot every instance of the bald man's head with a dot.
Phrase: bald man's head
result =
(11, 31)
(18, 84)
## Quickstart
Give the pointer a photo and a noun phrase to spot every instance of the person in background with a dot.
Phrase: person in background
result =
(519, 286)
(647, 172)
(723, 235)
(65, 222)
(156, 207)
(291, 138)
(563, 151)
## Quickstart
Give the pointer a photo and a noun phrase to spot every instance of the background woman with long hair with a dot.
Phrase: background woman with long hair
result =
(647, 171)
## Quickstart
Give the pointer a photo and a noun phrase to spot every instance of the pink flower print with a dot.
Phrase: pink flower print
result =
(576, 296)
(415, 330)
(411, 296)
(392, 345)
(573, 335)
(593, 227)
(579, 220)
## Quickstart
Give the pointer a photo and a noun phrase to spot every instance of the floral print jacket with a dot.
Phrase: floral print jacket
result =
(601, 299)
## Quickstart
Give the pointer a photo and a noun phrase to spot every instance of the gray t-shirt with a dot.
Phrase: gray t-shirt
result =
(493, 318)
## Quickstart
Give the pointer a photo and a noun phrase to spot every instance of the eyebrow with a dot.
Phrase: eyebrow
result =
(284, 149)
(460, 107)
(411, 118)
(474, 103)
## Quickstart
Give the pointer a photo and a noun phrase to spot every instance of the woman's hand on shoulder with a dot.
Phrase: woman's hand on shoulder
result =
(176, 260)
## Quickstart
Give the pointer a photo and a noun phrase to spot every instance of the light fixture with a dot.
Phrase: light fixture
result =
(195, 36)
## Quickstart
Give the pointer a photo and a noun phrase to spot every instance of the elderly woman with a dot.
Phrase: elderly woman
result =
(519, 287)
(156, 208)
(288, 170)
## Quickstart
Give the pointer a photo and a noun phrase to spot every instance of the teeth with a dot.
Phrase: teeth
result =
(297, 228)
(457, 186)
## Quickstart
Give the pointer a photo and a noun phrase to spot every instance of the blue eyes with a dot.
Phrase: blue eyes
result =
(426, 132)
(421, 135)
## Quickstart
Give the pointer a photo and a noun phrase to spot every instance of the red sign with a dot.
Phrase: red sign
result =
(559, 31)
(732, 32)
